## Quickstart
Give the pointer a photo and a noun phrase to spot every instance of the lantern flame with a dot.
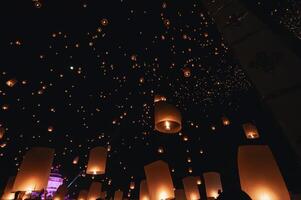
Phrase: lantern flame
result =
(167, 125)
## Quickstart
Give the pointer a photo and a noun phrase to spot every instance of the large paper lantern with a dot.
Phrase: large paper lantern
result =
(61, 192)
(94, 191)
(144, 194)
(159, 181)
(191, 188)
(167, 118)
(250, 130)
(180, 194)
(97, 161)
(118, 195)
(7, 193)
(259, 174)
(213, 184)
(83, 195)
(34, 170)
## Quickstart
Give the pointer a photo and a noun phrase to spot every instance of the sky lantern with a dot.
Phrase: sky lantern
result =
(11, 82)
(226, 121)
(168, 118)
(213, 184)
(34, 170)
(75, 160)
(118, 195)
(2, 132)
(83, 195)
(61, 192)
(159, 181)
(191, 188)
(97, 161)
(180, 194)
(250, 130)
(198, 180)
(186, 72)
(259, 174)
(94, 191)
(7, 193)
(132, 185)
(144, 194)
(159, 97)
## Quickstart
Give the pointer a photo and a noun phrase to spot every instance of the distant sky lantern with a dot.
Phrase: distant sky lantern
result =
(191, 188)
(213, 184)
(50, 129)
(144, 194)
(259, 174)
(132, 185)
(97, 161)
(180, 194)
(250, 130)
(186, 72)
(159, 181)
(159, 98)
(11, 82)
(168, 118)
(198, 180)
(34, 170)
(104, 22)
(75, 160)
(7, 193)
(225, 121)
(94, 191)
(83, 195)
(61, 192)
(118, 195)
(2, 132)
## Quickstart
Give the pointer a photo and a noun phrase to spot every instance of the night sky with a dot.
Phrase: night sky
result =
(86, 74)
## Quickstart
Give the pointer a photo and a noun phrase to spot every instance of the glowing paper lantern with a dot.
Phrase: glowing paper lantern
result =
(34, 170)
(250, 131)
(8, 194)
(226, 121)
(94, 191)
(132, 185)
(97, 161)
(191, 188)
(159, 98)
(2, 132)
(118, 195)
(213, 184)
(168, 118)
(144, 194)
(259, 174)
(61, 192)
(180, 194)
(83, 194)
(75, 160)
(11, 82)
(198, 180)
(159, 181)
(186, 72)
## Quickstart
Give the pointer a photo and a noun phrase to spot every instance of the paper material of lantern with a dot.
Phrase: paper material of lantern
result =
(97, 161)
(213, 184)
(168, 118)
(159, 98)
(191, 188)
(118, 195)
(144, 194)
(83, 195)
(159, 181)
(180, 194)
(2, 132)
(34, 170)
(61, 192)
(250, 130)
(94, 191)
(259, 174)
(11, 82)
(8, 194)
(103, 195)
(132, 185)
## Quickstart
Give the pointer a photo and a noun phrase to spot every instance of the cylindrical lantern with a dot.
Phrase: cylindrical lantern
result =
(144, 194)
(250, 130)
(180, 194)
(97, 161)
(213, 184)
(75, 160)
(167, 118)
(225, 121)
(198, 180)
(7, 193)
(159, 181)
(191, 188)
(61, 192)
(132, 185)
(94, 191)
(83, 194)
(2, 132)
(259, 174)
(34, 170)
(118, 195)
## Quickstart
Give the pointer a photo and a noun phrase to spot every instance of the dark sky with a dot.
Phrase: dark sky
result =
(89, 71)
